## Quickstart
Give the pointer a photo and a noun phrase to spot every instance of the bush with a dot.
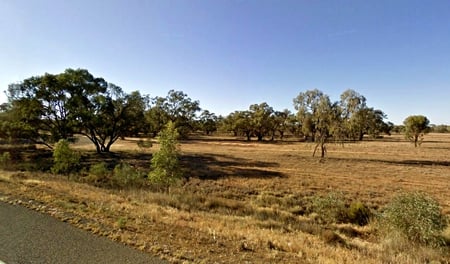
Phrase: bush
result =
(125, 175)
(99, 173)
(358, 214)
(331, 208)
(165, 166)
(415, 216)
(65, 160)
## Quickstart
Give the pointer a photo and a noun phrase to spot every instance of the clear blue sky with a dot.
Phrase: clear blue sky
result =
(229, 54)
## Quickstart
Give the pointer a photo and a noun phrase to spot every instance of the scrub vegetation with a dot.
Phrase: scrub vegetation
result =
(172, 179)
(254, 202)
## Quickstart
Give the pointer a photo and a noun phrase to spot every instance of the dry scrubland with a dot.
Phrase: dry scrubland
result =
(248, 202)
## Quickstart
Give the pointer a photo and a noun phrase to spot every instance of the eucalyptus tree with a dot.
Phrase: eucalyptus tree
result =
(106, 117)
(176, 107)
(416, 126)
(320, 117)
(57, 106)
(354, 114)
(208, 122)
(282, 121)
(261, 119)
(50, 103)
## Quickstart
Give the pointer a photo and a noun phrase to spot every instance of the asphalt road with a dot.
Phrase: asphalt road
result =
(27, 236)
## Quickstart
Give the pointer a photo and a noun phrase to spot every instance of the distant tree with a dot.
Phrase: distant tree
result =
(398, 129)
(208, 122)
(375, 123)
(244, 123)
(156, 117)
(261, 119)
(416, 126)
(281, 122)
(136, 106)
(176, 107)
(354, 114)
(239, 123)
(439, 128)
(359, 119)
(320, 117)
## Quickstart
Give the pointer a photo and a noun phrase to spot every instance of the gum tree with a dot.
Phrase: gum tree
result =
(320, 118)
(416, 126)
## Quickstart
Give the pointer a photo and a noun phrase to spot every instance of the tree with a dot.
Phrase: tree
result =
(109, 116)
(240, 123)
(137, 105)
(281, 122)
(181, 111)
(58, 106)
(156, 117)
(320, 117)
(165, 166)
(261, 121)
(416, 126)
(208, 122)
(354, 111)
(49, 103)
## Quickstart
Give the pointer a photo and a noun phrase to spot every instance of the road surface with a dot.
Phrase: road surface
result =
(27, 236)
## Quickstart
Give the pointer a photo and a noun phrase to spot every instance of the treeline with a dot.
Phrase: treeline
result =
(45, 109)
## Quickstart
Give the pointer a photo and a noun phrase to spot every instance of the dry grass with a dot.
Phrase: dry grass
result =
(250, 202)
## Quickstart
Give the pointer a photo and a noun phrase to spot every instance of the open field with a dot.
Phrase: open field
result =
(249, 202)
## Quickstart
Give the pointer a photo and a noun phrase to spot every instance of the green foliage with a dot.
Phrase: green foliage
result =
(5, 160)
(176, 107)
(330, 208)
(415, 216)
(57, 106)
(125, 175)
(416, 127)
(208, 122)
(358, 214)
(99, 170)
(99, 173)
(65, 160)
(323, 118)
(165, 166)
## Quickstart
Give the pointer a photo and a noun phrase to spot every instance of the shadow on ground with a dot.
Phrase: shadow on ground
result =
(213, 167)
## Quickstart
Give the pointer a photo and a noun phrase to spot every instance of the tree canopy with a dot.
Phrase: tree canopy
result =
(53, 107)
(416, 126)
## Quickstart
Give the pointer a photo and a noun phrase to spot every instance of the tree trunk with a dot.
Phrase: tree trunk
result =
(248, 134)
(260, 137)
(360, 136)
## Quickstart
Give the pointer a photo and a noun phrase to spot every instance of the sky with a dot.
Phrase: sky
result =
(229, 54)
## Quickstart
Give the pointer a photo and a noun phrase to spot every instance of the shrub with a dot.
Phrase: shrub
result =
(415, 216)
(165, 166)
(331, 208)
(358, 214)
(5, 160)
(65, 160)
(125, 175)
(99, 172)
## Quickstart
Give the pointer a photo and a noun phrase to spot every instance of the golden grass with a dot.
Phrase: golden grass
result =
(245, 201)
